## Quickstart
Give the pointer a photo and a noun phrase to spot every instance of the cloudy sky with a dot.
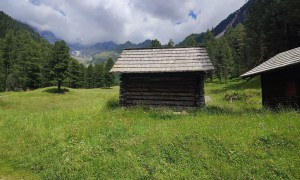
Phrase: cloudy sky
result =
(91, 21)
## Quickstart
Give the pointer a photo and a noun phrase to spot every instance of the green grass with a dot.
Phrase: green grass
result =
(84, 134)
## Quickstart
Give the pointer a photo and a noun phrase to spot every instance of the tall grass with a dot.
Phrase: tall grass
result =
(84, 134)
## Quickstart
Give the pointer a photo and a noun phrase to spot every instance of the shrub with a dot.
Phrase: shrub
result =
(113, 103)
(235, 96)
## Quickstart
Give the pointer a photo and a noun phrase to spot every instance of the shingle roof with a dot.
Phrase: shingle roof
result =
(281, 60)
(163, 60)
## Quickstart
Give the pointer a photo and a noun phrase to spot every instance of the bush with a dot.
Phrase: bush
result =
(235, 96)
(113, 103)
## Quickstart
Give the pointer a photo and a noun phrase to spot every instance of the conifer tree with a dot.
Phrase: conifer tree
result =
(170, 43)
(155, 44)
(74, 73)
(2, 88)
(236, 39)
(109, 77)
(99, 75)
(8, 56)
(59, 63)
(90, 83)
(191, 42)
(82, 76)
(46, 77)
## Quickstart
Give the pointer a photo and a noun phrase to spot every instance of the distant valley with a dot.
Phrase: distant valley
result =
(99, 52)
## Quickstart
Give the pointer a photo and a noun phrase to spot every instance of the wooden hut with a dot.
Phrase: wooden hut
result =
(280, 79)
(163, 77)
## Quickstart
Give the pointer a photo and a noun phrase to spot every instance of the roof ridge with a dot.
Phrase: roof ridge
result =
(163, 60)
(201, 46)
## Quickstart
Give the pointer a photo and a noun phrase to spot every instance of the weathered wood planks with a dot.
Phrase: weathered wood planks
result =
(281, 87)
(162, 89)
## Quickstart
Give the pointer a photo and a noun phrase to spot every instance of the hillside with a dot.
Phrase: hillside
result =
(23, 54)
(8, 23)
(231, 21)
(49, 36)
(85, 53)
(102, 51)
(192, 38)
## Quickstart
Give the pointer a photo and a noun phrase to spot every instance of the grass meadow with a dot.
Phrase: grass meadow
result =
(84, 134)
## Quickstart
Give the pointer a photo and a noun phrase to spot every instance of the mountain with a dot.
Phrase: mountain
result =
(231, 21)
(95, 53)
(85, 53)
(8, 23)
(100, 52)
(92, 49)
(197, 37)
(114, 53)
(129, 44)
(49, 36)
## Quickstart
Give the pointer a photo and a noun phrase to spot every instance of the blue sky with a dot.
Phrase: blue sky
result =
(193, 14)
(92, 21)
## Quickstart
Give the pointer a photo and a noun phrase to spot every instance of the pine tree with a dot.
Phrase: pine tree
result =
(109, 78)
(46, 55)
(208, 37)
(2, 88)
(271, 27)
(227, 61)
(9, 50)
(90, 83)
(210, 43)
(155, 44)
(223, 60)
(191, 42)
(82, 76)
(31, 64)
(74, 74)
(23, 56)
(236, 39)
(170, 43)
(99, 75)
(59, 63)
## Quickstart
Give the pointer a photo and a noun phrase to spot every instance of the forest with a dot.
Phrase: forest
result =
(270, 27)
(27, 61)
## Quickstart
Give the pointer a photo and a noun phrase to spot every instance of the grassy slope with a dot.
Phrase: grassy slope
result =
(82, 134)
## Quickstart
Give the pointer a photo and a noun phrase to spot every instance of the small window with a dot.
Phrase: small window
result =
(291, 88)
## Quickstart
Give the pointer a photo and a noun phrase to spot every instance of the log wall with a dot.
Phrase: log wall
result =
(162, 89)
(281, 87)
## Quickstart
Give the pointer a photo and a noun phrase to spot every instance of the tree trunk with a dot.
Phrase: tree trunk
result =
(5, 79)
(58, 86)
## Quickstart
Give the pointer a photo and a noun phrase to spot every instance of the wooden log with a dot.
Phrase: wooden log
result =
(163, 89)
(187, 94)
(152, 102)
(177, 90)
(170, 98)
(178, 83)
(160, 86)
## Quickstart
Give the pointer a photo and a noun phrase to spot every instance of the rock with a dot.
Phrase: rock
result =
(208, 99)
(178, 113)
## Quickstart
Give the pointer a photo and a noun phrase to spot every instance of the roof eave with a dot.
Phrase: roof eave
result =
(249, 75)
(137, 72)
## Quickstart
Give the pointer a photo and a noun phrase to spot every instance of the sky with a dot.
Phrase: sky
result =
(92, 21)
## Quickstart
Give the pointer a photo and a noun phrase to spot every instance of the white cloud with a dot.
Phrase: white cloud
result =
(92, 21)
